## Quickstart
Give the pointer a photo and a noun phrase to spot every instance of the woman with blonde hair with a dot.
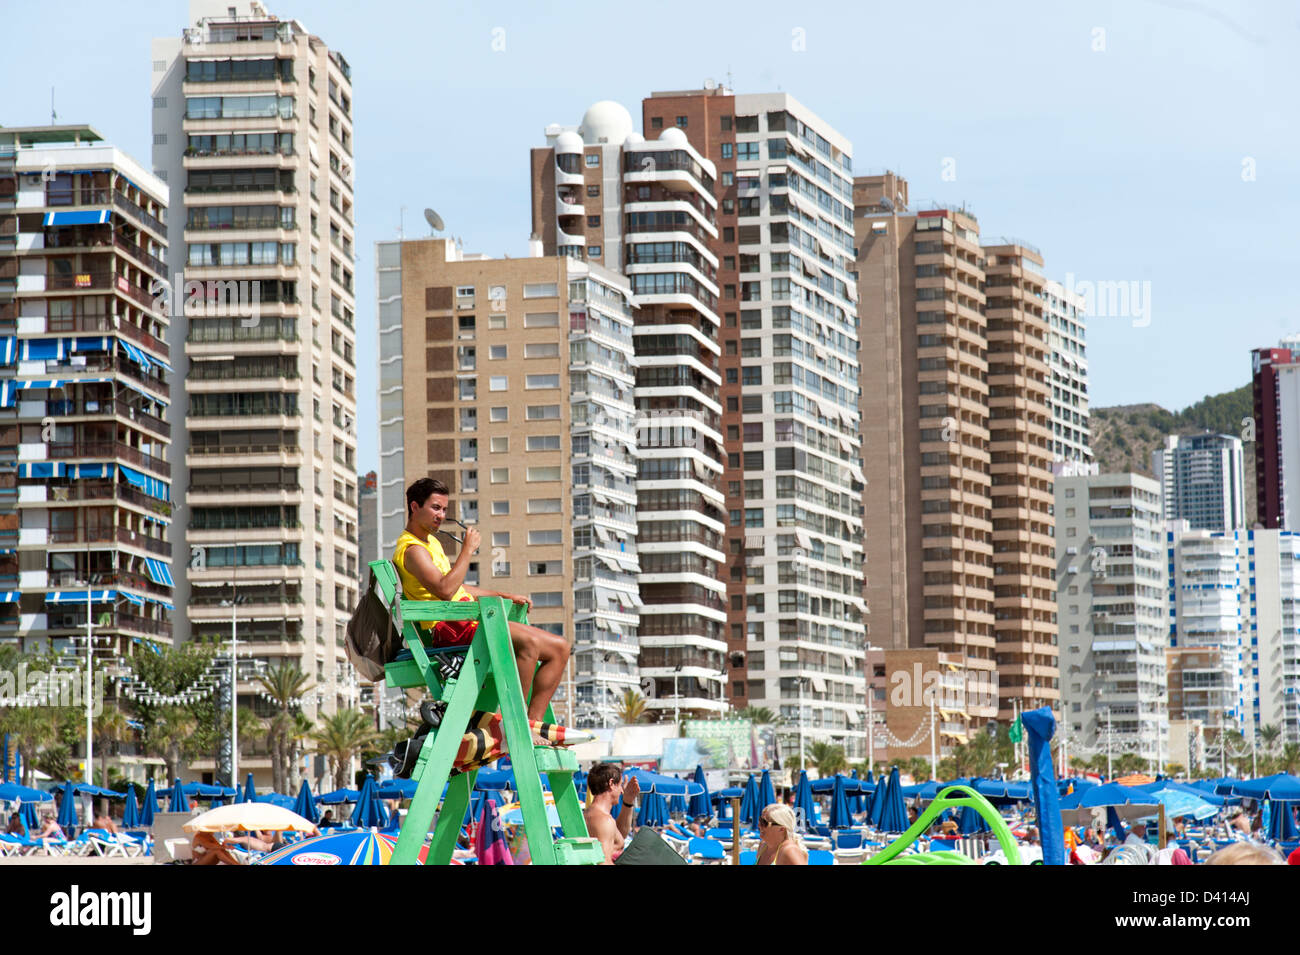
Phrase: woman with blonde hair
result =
(781, 842)
(1246, 853)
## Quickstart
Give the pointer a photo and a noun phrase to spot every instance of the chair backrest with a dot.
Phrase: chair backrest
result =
(705, 848)
(820, 857)
(720, 834)
(748, 857)
(848, 839)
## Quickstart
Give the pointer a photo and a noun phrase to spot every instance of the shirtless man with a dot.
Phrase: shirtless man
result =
(605, 783)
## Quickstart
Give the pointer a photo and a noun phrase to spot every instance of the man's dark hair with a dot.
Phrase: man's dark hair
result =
(602, 777)
(421, 491)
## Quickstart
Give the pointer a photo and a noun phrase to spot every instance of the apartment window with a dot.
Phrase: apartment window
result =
(547, 598)
(753, 517)
(499, 475)
(501, 568)
(498, 383)
(593, 159)
(498, 414)
(538, 538)
(592, 193)
(753, 460)
(541, 381)
(542, 413)
(543, 505)
(656, 122)
(545, 568)
(752, 375)
(542, 319)
(539, 290)
(497, 322)
(593, 221)
(468, 389)
(735, 517)
(727, 150)
(681, 122)
(593, 251)
(499, 445)
(500, 508)
(542, 350)
(542, 442)
(726, 123)
(543, 474)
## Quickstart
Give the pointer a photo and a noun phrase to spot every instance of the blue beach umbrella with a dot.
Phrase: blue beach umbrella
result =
(176, 798)
(13, 792)
(839, 815)
(30, 818)
(1180, 803)
(369, 810)
(677, 804)
(338, 796)
(877, 805)
(150, 805)
(1281, 786)
(250, 791)
(397, 789)
(1040, 725)
(858, 799)
(493, 779)
(700, 805)
(131, 811)
(1281, 823)
(305, 805)
(353, 847)
(971, 822)
(654, 810)
(766, 792)
(277, 799)
(664, 785)
(68, 808)
(749, 805)
(893, 817)
(803, 798)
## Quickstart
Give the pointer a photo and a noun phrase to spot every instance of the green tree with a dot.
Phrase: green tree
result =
(1175, 770)
(340, 738)
(1127, 763)
(1268, 735)
(631, 708)
(285, 684)
(111, 726)
(1288, 760)
(918, 767)
(179, 732)
(759, 715)
(828, 758)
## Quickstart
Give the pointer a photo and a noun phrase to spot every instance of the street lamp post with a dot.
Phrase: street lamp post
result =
(934, 759)
(799, 681)
(90, 651)
(234, 671)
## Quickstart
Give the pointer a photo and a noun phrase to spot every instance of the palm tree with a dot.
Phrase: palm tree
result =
(1127, 763)
(1268, 735)
(341, 737)
(111, 726)
(299, 733)
(166, 737)
(1288, 761)
(284, 684)
(828, 757)
(631, 708)
(918, 767)
(759, 715)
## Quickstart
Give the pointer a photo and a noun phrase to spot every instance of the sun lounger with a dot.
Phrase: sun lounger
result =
(748, 857)
(706, 852)
(820, 857)
(17, 845)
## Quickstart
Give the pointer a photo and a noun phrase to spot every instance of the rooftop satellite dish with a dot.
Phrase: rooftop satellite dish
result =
(434, 220)
(886, 202)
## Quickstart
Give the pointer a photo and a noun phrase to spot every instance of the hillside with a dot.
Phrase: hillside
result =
(1124, 436)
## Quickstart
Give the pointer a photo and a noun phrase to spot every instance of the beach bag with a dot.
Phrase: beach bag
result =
(372, 640)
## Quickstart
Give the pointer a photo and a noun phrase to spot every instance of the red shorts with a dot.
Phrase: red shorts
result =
(453, 633)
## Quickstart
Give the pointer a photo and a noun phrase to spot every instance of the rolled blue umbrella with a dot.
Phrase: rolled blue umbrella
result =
(131, 811)
(700, 804)
(1040, 725)
(803, 798)
(176, 799)
(857, 800)
(893, 817)
(877, 808)
(677, 804)
(766, 791)
(306, 806)
(150, 805)
(1281, 823)
(971, 822)
(239, 795)
(250, 792)
(749, 805)
(839, 815)
(654, 810)
(369, 810)
(68, 808)
(30, 818)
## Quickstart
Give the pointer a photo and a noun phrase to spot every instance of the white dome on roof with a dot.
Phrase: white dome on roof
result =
(568, 142)
(605, 122)
(674, 136)
(634, 139)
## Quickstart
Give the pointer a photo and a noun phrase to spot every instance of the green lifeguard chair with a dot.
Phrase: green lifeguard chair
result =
(488, 679)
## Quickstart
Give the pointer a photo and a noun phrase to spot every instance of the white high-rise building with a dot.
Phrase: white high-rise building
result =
(1112, 613)
(1068, 358)
(252, 122)
(1203, 481)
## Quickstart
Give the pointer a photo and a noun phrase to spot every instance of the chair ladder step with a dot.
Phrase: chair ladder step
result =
(579, 851)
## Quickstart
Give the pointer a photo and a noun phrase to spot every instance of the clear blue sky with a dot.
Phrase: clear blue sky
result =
(1122, 164)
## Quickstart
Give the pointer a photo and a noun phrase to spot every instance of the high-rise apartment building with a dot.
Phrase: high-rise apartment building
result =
(1202, 480)
(1234, 597)
(645, 207)
(85, 485)
(511, 381)
(1068, 362)
(1111, 592)
(253, 134)
(367, 523)
(1276, 387)
(955, 398)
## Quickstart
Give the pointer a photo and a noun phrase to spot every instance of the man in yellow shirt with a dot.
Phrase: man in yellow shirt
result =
(427, 574)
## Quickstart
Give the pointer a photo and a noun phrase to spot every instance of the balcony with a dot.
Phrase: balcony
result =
(91, 408)
(111, 450)
(126, 205)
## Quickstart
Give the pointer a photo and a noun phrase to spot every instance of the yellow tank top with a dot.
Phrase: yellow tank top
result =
(412, 588)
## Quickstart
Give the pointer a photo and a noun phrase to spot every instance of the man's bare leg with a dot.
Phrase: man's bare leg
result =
(533, 645)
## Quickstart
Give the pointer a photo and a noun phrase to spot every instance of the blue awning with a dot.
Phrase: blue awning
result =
(10, 387)
(150, 485)
(159, 572)
(41, 469)
(9, 596)
(135, 354)
(90, 344)
(79, 596)
(124, 383)
(42, 349)
(162, 603)
(134, 599)
(89, 470)
(78, 217)
(8, 348)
